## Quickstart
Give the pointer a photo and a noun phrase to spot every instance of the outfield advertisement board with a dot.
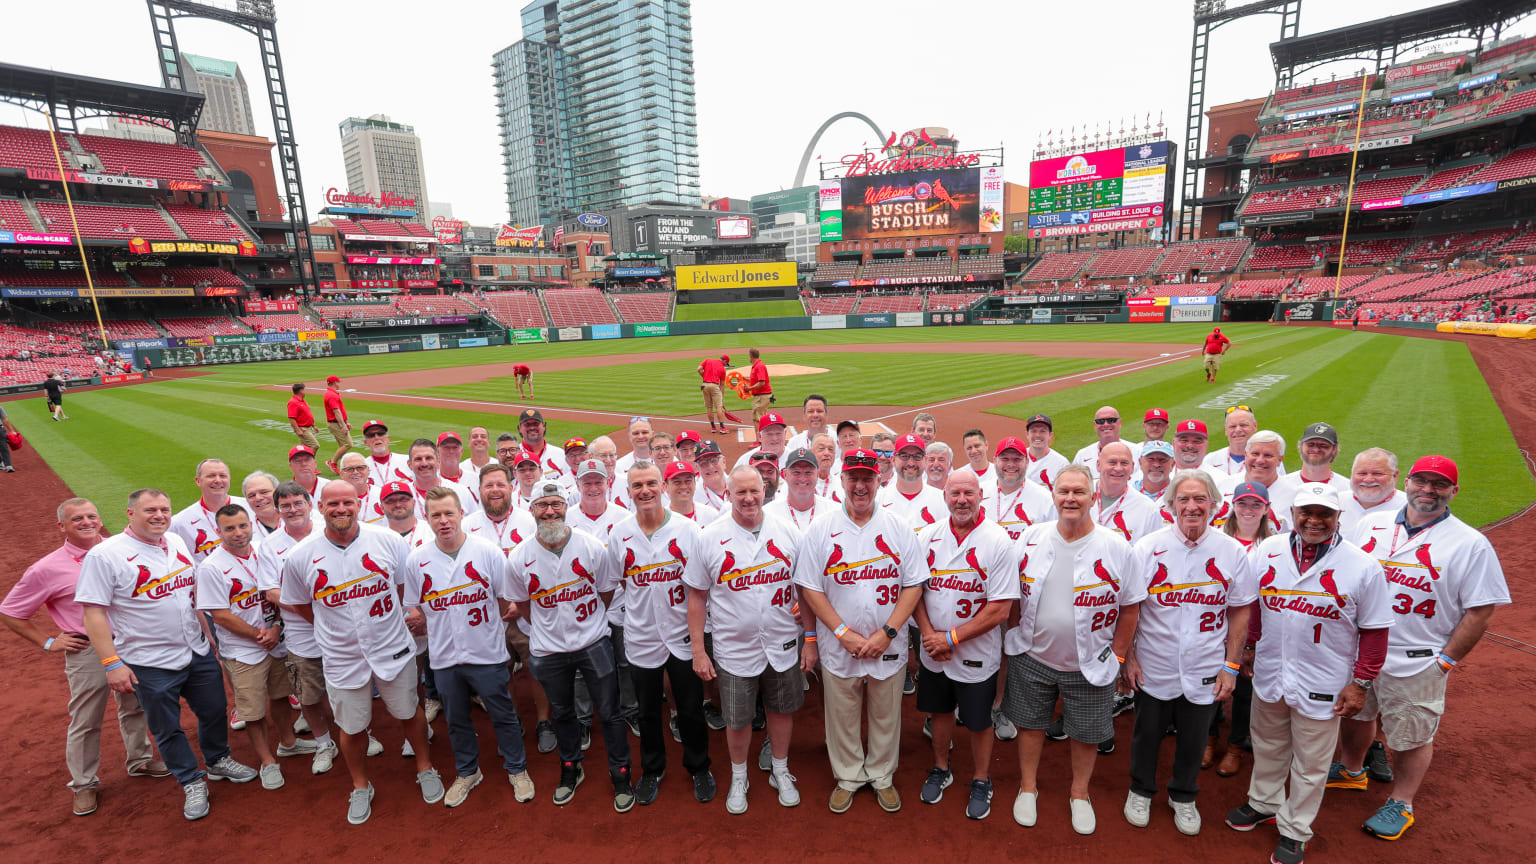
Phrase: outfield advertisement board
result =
(828, 322)
(1148, 314)
(914, 204)
(602, 331)
(1186, 313)
(660, 329)
(569, 334)
(909, 319)
(708, 277)
(221, 354)
(525, 335)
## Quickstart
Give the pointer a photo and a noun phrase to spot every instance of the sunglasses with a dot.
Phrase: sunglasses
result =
(1105, 421)
(638, 419)
(861, 462)
(885, 454)
(1238, 408)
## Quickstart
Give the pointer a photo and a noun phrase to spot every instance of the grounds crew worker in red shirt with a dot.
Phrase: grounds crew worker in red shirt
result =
(300, 419)
(762, 391)
(1215, 346)
(336, 421)
(712, 374)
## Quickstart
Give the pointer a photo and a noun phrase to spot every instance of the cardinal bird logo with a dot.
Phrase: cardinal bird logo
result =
(778, 553)
(677, 552)
(1045, 480)
(1102, 574)
(1119, 520)
(201, 540)
(426, 586)
(472, 573)
(729, 563)
(1215, 573)
(629, 562)
(1018, 510)
(1023, 565)
(1221, 514)
(581, 571)
(235, 589)
(1422, 553)
(832, 560)
(927, 517)
(533, 585)
(1325, 579)
(552, 466)
(144, 578)
(1159, 576)
(1268, 578)
(1167, 517)
(183, 559)
(970, 558)
(322, 579)
(885, 548)
(1369, 545)
(931, 558)
(372, 567)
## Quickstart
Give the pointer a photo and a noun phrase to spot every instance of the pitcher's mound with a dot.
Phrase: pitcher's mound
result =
(787, 369)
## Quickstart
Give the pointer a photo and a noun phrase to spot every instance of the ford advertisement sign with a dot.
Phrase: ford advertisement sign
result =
(592, 220)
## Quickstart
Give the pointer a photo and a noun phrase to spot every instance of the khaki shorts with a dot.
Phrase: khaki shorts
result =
(712, 400)
(1212, 362)
(517, 643)
(256, 684)
(308, 439)
(354, 708)
(761, 405)
(1409, 708)
(340, 432)
(306, 679)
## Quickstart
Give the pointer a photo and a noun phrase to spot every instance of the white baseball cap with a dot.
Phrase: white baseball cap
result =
(1317, 493)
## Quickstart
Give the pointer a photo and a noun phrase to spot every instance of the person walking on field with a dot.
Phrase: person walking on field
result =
(761, 389)
(336, 421)
(54, 387)
(524, 378)
(302, 420)
(712, 378)
(1215, 346)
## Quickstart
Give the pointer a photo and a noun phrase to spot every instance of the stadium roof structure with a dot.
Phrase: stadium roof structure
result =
(1383, 36)
(67, 97)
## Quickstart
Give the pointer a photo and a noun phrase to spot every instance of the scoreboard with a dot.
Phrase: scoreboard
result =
(1119, 189)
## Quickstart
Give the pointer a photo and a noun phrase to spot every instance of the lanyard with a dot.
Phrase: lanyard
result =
(379, 469)
(796, 519)
(1003, 510)
(1104, 518)
(1393, 548)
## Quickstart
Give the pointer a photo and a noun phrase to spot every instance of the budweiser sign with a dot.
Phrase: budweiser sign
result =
(385, 199)
(511, 235)
(862, 164)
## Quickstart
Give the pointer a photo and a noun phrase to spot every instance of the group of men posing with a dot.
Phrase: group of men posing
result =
(664, 583)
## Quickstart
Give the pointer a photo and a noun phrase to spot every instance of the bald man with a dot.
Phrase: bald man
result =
(1106, 425)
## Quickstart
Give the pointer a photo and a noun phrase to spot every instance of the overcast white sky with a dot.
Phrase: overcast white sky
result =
(767, 73)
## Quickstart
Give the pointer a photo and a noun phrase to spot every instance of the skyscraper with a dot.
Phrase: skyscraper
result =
(597, 110)
(227, 104)
(384, 156)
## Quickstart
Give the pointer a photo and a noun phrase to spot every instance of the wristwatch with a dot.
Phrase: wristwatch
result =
(1362, 683)
(890, 632)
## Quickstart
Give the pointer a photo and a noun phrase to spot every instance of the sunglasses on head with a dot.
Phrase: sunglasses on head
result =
(1238, 408)
(861, 462)
(1105, 421)
(634, 420)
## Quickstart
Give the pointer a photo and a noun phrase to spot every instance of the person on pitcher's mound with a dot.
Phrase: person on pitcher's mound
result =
(524, 377)
(1215, 346)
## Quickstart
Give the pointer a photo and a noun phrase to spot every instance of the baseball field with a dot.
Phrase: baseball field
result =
(1465, 397)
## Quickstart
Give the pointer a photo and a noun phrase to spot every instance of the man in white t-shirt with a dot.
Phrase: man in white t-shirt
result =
(1373, 489)
(1106, 425)
(799, 504)
(195, 525)
(909, 497)
(1043, 462)
(137, 588)
(971, 588)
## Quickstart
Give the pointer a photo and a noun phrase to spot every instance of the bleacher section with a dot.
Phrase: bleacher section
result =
(107, 222)
(1385, 187)
(1058, 265)
(835, 271)
(1374, 252)
(1256, 289)
(513, 308)
(13, 217)
(340, 312)
(144, 158)
(284, 322)
(1450, 177)
(1287, 256)
(435, 304)
(117, 328)
(1310, 197)
(202, 325)
(904, 267)
(1129, 261)
(1211, 256)
(213, 226)
(573, 307)
(28, 148)
(1383, 287)
(184, 277)
(1521, 163)
(980, 265)
(1187, 289)
(1514, 103)
(646, 306)
(75, 278)
(891, 303)
(951, 302)
(840, 305)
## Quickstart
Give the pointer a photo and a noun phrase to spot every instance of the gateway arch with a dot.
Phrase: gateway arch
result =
(805, 158)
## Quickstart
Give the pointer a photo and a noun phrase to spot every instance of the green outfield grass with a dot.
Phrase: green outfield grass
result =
(723, 311)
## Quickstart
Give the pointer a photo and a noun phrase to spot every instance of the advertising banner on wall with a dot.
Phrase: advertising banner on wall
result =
(1106, 188)
(828, 322)
(831, 197)
(431, 342)
(253, 307)
(662, 329)
(712, 276)
(525, 335)
(909, 319)
(242, 353)
(602, 331)
(1190, 313)
(911, 205)
(569, 334)
(1147, 314)
(474, 342)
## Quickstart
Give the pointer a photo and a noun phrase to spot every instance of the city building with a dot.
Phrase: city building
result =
(801, 235)
(227, 103)
(596, 108)
(770, 206)
(383, 160)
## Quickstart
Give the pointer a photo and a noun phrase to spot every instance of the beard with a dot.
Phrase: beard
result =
(1369, 497)
(552, 533)
(499, 511)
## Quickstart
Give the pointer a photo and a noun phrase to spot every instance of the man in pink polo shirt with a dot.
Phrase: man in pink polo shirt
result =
(51, 582)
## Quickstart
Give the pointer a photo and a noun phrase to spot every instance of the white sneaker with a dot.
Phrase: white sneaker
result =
(1186, 817)
(736, 800)
(299, 747)
(300, 726)
(1024, 809)
(406, 750)
(1083, 819)
(325, 758)
(374, 747)
(1138, 809)
(271, 776)
(432, 708)
(784, 781)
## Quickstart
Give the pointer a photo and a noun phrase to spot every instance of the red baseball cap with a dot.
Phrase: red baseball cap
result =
(864, 460)
(1155, 414)
(1011, 443)
(333, 380)
(688, 435)
(394, 487)
(770, 419)
(300, 450)
(1435, 465)
(449, 434)
(1195, 426)
(910, 440)
(372, 423)
(524, 456)
(680, 467)
(725, 358)
(574, 444)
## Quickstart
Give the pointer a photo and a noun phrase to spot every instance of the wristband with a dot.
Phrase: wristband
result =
(841, 629)
(810, 634)
(1118, 657)
(952, 638)
(48, 646)
(116, 664)
(810, 637)
(1235, 667)
(1445, 662)
(107, 661)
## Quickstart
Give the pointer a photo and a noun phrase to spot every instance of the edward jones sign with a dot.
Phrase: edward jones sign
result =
(711, 276)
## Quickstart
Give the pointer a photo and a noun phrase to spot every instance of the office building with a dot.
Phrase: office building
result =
(226, 101)
(382, 156)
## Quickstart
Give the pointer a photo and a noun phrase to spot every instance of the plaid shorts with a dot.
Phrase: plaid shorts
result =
(1029, 699)
(783, 693)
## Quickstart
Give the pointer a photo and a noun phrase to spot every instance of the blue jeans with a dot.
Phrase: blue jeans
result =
(489, 682)
(160, 692)
(557, 672)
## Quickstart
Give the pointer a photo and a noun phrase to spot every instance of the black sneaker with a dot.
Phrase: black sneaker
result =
(634, 726)
(571, 775)
(1106, 747)
(1376, 763)
(545, 731)
(1288, 851)
(928, 727)
(672, 724)
(933, 788)
(908, 686)
(1057, 731)
(650, 784)
(1123, 703)
(623, 792)
(586, 737)
(1245, 818)
(713, 717)
(980, 805)
(704, 787)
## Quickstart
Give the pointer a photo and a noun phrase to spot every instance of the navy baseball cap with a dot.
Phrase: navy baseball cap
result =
(1039, 418)
(707, 448)
(1251, 487)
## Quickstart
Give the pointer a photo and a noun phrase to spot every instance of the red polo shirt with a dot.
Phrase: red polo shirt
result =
(759, 379)
(1216, 343)
(335, 412)
(521, 369)
(712, 371)
(299, 413)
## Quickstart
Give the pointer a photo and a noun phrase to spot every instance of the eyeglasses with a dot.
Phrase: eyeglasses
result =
(1105, 421)
(351, 468)
(1239, 408)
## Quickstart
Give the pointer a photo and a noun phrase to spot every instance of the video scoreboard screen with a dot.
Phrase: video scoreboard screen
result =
(1105, 190)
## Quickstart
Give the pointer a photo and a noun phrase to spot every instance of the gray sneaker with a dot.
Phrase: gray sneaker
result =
(980, 804)
(546, 734)
(360, 805)
(933, 788)
(431, 785)
(196, 805)
(299, 747)
(765, 755)
(228, 769)
(1002, 727)
(271, 776)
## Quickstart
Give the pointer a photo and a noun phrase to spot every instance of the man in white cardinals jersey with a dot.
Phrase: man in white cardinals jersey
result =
(455, 584)
(383, 466)
(1116, 505)
(798, 502)
(345, 579)
(1014, 501)
(1319, 446)
(1372, 489)
(497, 520)
(424, 477)
(1076, 618)
(977, 457)
(137, 588)
(1106, 425)
(972, 584)
(250, 637)
(559, 580)
(1443, 582)
(909, 498)
(681, 496)
(1320, 638)
(1228, 461)
(861, 573)
(258, 489)
(480, 454)
(305, 667)
(1042, 464)
(195, 525)
(1199, 586)
(639, 433)
(1191, 442)
(741, 580)
(530, 424)
(353, 468)
(711, 481)
(1263, 464)
(650, 548)
(451, 469)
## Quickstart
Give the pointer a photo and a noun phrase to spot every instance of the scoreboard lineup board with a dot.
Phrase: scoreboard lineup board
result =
(1094, 195)
(1103, 190)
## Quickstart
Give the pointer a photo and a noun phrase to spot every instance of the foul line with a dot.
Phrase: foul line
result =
(626, 414)
(1267, 362)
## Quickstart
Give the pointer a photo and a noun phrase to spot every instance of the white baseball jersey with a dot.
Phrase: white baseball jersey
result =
(655, 598)
(515, 527)
(394, 467)
(1181, 636)
(227, 582)
(702, 514)
(751, 595)
(198, 528)
(742, 459)
(801, 519)
(1015, 511)
(1312, 622)
(1132, 516)
(468, 485)
(1355, 512)
(622, 465)
(148, 593)
(914, 511)
(1284, 491)
(1221, 464)
(351, 589)
(599, 527)
(562, 592)
(1100, 587)
(1433, 578)
(298, 634)
(803, 439)
(467, 502)
(963, 577)
(552, 461)
(717, 500)
(457, 594)
(1044, 469)
(861, 570)
(1089, 456)
(471, 472)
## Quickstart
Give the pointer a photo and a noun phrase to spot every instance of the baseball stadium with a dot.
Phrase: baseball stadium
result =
(1360, 243)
